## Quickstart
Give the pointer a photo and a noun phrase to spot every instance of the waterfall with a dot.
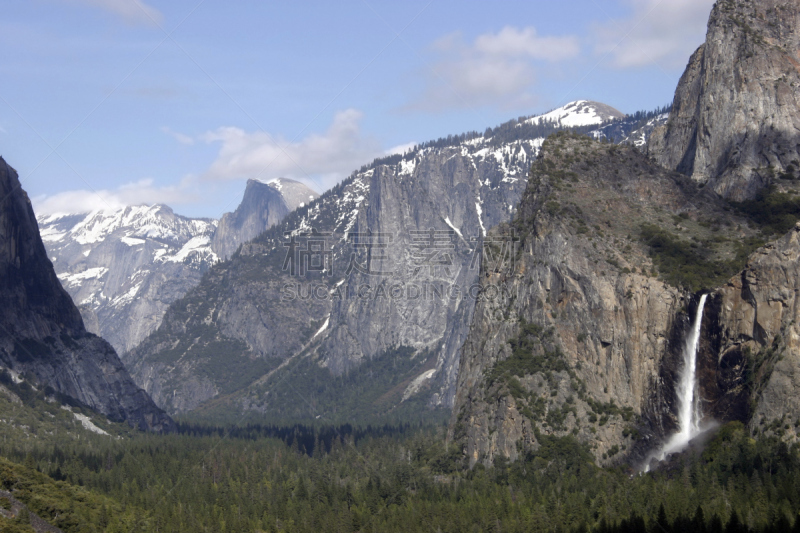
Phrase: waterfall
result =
(689, 412)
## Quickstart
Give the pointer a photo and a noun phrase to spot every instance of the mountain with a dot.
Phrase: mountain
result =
(634, 129)
(578, 113)
(43, 337)
(734, 123)
(263, 206)
(587, 327)
(125, 267)
(390, 298)
(621, 261)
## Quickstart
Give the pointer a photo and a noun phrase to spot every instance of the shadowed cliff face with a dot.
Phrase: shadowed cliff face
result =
(757, 345)
(734, 122)
(41, 331)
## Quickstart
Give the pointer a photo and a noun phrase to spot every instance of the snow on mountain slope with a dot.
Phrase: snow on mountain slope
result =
(466, 184)
(578, 113)
(459, 186)
(294, 193)
(124, 267)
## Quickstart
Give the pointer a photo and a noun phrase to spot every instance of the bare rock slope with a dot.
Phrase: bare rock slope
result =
(582, 334)
(734, 122)
(41, 331)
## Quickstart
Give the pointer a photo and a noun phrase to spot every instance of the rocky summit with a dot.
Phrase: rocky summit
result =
(734, 122)
(586, 333)
(124, 267)
(42, 336)
(263, 206)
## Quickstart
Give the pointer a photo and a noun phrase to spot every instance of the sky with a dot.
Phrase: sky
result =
(105, 103)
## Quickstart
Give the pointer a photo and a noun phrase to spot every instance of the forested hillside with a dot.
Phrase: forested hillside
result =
(393, 479)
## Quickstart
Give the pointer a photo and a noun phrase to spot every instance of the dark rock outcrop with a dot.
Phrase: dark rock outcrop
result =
(734, 123)
(41, 331)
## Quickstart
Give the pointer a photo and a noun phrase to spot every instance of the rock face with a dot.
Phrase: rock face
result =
(402, 237)
(43, 335)
(753, 342)
(577, 336)
(734, 122)
(125, 267)
(263, 206)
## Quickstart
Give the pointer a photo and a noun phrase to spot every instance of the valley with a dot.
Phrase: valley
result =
(578, 320)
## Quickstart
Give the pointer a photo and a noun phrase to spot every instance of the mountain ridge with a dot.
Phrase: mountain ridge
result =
(458, 186)
(124, 267)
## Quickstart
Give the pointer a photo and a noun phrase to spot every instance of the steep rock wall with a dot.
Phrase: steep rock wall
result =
(41, 331)
(734, 122)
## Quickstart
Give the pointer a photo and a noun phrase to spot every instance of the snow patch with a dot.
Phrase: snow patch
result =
(415, 385)
(194, 245)
(128, 296)
(86, 422)
(76, 279)
(479, 209)
(406, 168)
(130, 241)
(573, 114)
(51, 234)
(447, 221)
(323, 328)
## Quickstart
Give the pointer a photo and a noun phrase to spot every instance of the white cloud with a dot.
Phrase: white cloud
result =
(496, 69)
(319, 159)
(663, 32)
(132, 11)
(180, 137)
(525, 42)
(136, 193)
(400, 148)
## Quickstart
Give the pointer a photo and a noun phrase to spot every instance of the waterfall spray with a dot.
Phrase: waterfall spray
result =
(689, 412)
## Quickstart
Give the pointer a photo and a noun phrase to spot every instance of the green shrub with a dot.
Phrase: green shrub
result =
(685, 264)
(776, 212)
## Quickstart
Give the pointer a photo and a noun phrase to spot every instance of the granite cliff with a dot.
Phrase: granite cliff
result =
(586, 330)
(581, 334)
(124, 267)
(42, 336)
(734, 123)
(263, 206)
(391, 291)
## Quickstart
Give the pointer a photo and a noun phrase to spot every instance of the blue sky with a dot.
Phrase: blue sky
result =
(112, 102)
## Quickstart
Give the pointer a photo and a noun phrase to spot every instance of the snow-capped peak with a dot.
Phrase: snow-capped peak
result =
(138, 221)
(578, 113)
